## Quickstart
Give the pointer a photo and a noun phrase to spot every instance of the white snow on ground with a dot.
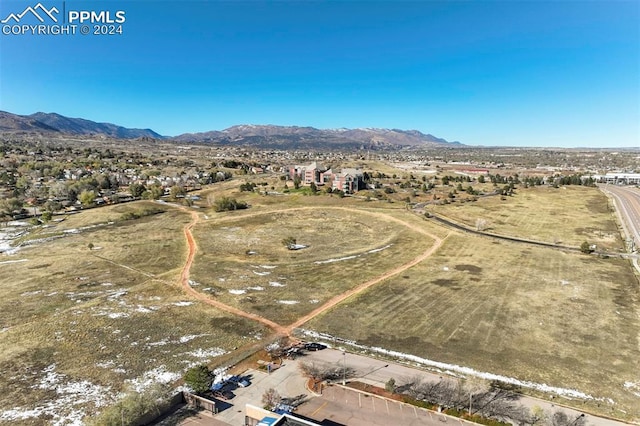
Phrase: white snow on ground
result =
(313, 301)
(320, 262)
(157, 375)
(193, 283)
(206, 353)
(116, 315)
(31, 293)
(276, 284)
(256, 288)
(261, 274)
(159, 343)
(268, 266)
(182, 303)
(453, 368)
(64, 409)
(340, 259)
(445, 268)
(633, 387)
(236, 291)
(380, 249)
(288, 302)
(144, 310)
(297, 247)
(12, 261)
(190, 337)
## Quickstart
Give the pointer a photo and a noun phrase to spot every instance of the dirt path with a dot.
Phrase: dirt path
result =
(286, 330)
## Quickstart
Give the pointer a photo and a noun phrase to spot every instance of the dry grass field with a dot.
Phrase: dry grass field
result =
(567, 215)
(79, 326)
(91, 322)
(243, 262)
(537, 314)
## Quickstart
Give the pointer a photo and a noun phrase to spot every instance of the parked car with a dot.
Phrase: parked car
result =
(243, 383)
(224, 394)
(314, 346)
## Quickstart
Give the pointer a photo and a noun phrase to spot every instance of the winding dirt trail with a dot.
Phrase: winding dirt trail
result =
(286, 330)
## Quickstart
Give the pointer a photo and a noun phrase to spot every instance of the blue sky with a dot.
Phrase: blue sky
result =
(517, 73)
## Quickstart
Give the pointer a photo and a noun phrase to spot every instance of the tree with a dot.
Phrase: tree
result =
(87, 197)
(289, 242)
(296, 181)
(390, 386)
(585, 247)
(199, 378)
(481, 179)
(177, 191)
(136, 189)
(271, 398)
(224, 204)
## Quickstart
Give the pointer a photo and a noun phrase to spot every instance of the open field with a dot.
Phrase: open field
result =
(79, 326)
(95, 321)
(568, 215)
(535, 314)
(346, 247)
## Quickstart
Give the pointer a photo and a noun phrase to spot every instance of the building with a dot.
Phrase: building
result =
(617, 178)
(255, 416)
(348, 181)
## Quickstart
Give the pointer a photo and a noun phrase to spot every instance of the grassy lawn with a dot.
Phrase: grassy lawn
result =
(536, 314)
(567, 215)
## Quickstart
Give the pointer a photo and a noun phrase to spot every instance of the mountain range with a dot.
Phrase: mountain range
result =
(262, 136)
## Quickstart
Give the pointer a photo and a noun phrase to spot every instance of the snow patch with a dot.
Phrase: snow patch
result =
(12, 261)
(157, 375)
(66, 408)
(261, 274)
(256, 288)
(288, 302)
(340, 259)
(379, 249)
(236, 291)
(182, 303)
(190, 337)
(276, 284)
(206, 353)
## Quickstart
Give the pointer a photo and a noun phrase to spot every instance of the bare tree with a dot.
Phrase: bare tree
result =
(271, 398)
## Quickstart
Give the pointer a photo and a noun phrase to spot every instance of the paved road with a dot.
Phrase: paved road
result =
(377, 372)
(627, 200)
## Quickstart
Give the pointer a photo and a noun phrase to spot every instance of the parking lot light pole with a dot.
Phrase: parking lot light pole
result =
(344, 368)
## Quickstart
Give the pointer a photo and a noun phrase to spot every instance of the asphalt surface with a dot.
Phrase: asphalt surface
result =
(378, 372)
(627, 201)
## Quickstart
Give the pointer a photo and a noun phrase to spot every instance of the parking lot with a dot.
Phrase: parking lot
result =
(341, 405)
(286, 380)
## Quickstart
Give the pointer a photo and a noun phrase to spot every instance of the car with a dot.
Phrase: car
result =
(243, 383)
(314, 346)
(224, 394)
